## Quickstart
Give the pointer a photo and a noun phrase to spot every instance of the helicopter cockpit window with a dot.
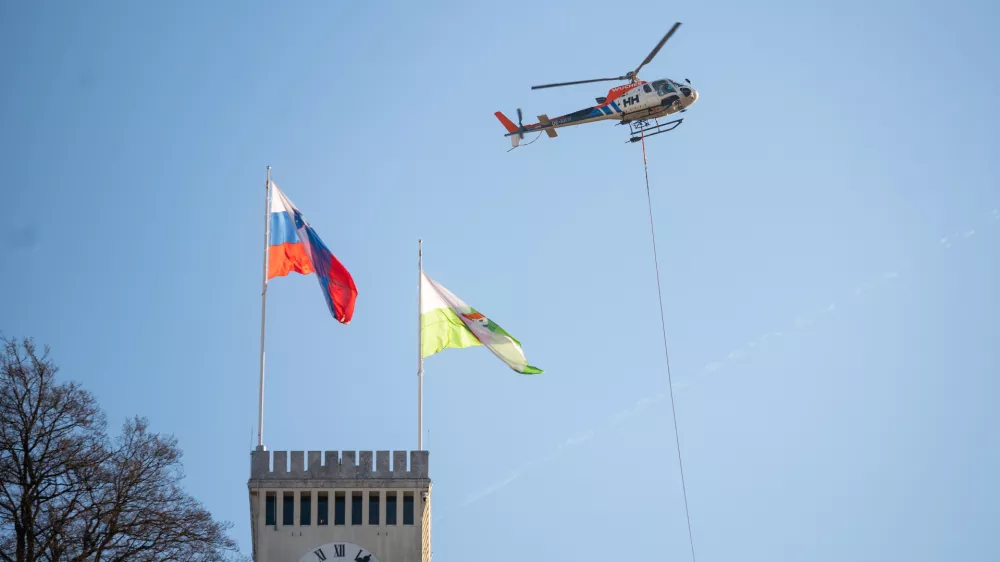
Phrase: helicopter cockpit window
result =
(646, 88)
(663, 87)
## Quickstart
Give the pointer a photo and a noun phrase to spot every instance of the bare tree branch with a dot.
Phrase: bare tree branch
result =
(69, 494)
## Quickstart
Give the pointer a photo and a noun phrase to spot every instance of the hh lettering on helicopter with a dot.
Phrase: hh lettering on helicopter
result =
(629, 101)
(664, 97)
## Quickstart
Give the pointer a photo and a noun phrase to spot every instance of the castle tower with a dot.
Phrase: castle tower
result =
(340, 507)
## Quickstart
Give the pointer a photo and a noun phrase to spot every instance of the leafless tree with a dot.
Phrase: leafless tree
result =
(68, 493)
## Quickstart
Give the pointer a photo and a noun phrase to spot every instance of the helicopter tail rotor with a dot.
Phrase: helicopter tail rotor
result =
(515, 132)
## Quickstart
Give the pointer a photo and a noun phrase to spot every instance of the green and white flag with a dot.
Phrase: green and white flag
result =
(446, 321)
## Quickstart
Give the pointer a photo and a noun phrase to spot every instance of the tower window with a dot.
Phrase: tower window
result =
(305, 508)
(373, 508)
(322, 509)
(270, 509)
(356, 508)
(408, 508)
(339, 508)
(288, 509)
(390, 508)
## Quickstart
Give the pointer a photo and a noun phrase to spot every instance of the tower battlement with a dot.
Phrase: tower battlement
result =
(333, 465)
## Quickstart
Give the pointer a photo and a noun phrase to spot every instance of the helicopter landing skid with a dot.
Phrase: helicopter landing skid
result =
(642, 128)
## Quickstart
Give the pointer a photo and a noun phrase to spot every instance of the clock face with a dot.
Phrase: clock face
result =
(338, 552)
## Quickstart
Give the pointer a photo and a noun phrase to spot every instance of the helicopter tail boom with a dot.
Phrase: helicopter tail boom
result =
(544, 121)
(517, 132)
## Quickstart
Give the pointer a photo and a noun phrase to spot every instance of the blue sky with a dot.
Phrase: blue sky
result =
(827, 233)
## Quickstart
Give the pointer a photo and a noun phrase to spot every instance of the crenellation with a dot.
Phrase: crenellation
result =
(314, 460)
(281, 462)
(399, 462)
(285, 528)
(342, 465)
(298, 463)
(382, 464)
(348, 464)
(332, 464)
(419, 462)
(366, 464)
(260, 462)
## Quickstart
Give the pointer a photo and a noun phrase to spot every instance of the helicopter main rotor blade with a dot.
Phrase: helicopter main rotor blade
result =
(657, 48)
(578, 82)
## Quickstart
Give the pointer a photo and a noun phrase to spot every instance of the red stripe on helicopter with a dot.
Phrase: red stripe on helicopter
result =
(617, 91)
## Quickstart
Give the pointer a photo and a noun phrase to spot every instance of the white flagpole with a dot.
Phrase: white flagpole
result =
(420, 348)
(263, 310)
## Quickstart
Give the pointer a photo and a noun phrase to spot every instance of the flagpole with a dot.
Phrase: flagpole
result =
(420, 348)
(263, 310)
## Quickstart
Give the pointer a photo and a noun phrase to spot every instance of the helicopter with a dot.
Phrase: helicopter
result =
(635, 104)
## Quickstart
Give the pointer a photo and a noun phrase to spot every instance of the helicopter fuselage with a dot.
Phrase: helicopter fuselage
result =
(635, 102)
(630, 102)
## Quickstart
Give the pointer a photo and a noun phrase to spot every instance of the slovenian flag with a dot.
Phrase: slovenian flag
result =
(293, 245)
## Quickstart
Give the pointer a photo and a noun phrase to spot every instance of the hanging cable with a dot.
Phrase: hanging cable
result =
(666, 352)
(525, 144)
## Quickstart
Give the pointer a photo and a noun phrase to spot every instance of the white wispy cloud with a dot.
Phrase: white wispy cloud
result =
(710, 367)
(582, 438)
